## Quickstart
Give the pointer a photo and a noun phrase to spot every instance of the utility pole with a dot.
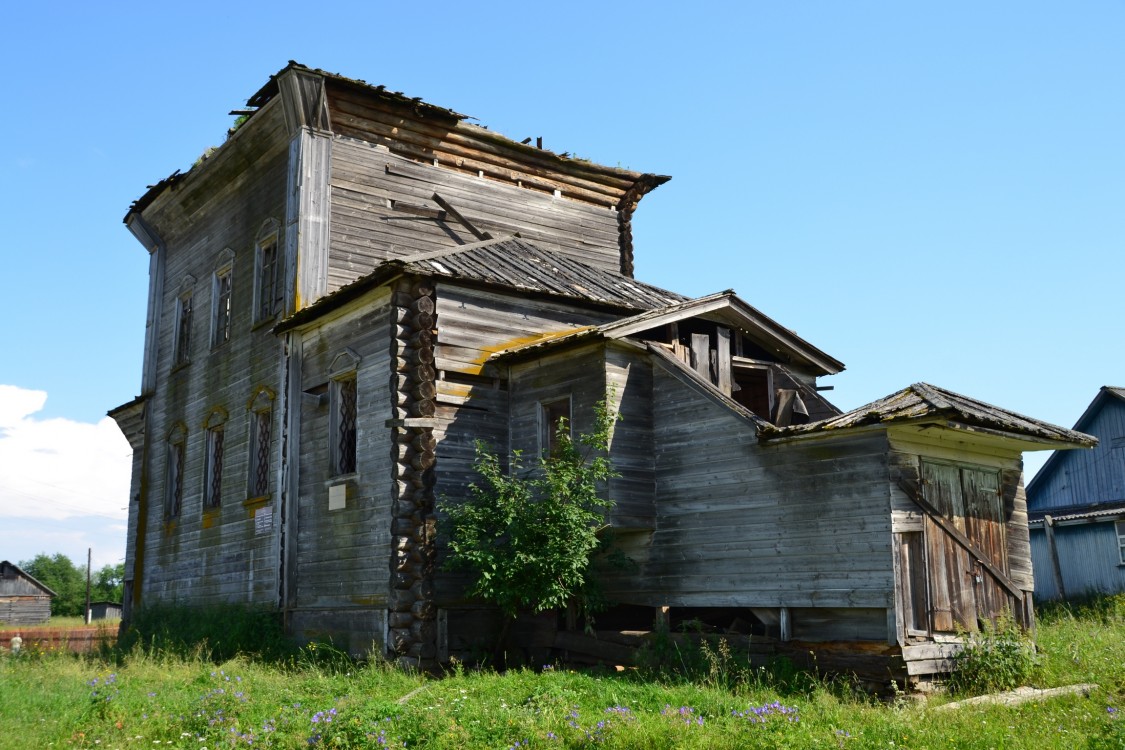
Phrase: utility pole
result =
(89, 558)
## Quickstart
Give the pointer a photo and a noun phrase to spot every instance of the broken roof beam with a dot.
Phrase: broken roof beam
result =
(460, 219)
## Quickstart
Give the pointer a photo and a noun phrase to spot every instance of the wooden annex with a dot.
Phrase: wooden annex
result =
(357, 285)
(23, 600)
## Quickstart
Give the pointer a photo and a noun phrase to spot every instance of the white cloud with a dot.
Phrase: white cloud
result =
(59, 469)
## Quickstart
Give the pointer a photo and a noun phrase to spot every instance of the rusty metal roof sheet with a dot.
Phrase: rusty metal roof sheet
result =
(922, 401)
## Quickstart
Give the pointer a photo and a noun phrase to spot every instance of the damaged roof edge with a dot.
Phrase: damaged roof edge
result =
(922, 403)
(642, 182)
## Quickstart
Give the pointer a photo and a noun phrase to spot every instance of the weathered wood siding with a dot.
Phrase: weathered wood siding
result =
(22, 602)
(628, 377)
(978, 487)
(473, 396)
(368, 179)
(798, 524)
(24, 610)
(1089, 560)
(219, 556)
(1078, 477)
(341, 570)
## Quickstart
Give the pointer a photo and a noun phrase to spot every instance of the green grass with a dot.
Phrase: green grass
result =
(154, 699)
(57, 622)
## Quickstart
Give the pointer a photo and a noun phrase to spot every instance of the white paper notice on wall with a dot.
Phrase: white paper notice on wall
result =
(338, 497)
(263, 520)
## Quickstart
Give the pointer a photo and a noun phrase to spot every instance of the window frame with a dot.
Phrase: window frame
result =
(550, 411)
(214, 429)
(345, 411)
(181, 334)
(269, 277)
(258, 461)
(175, 464)
(343, 377)
(222, 305)
(1119, 527)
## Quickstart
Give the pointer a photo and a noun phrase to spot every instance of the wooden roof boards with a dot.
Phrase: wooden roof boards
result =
(925, 403)
(437, 135)
(512, 264)
(724, 307)
(14, 581)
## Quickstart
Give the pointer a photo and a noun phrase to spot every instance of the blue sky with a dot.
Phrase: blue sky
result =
(927, 191)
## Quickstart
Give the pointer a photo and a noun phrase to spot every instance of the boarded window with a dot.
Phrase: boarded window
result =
(344, 398)
(181, 349)
(213, 491)
(554, 420)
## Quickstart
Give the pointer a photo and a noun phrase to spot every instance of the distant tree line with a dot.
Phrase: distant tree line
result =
(58, 573)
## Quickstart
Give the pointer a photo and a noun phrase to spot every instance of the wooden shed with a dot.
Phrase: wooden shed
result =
(23, 600)
(358, 285)
(105, 610)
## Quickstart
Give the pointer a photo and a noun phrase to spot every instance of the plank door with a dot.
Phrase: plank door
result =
(952, 599)
(961, 592)
(985, 527)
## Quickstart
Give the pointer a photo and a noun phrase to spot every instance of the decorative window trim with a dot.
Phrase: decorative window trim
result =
(269, 272)
(343, 395)
(181, 334)
(550, 411)
(260, 421)
(175, 462)
(214, 427)
(222, 304)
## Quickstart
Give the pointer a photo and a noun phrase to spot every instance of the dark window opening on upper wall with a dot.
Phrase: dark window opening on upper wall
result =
(554, 420)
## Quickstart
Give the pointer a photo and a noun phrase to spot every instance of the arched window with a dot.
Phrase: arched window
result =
(181, 345)
(344, 397)
(221, 308)
(176, 445)
(260, 407)
(269, 277)
(215, 428)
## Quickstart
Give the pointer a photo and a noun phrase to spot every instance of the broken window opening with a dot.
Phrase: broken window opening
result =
(181, 349)
(554, 419)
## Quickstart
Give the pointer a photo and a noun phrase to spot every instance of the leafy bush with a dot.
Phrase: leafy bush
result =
(1000, 657)
(527, 535)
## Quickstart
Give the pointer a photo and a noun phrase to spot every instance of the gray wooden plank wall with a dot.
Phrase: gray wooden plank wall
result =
(628, 377)
(343, 555)
(224, 209)
(365, 230)
(908, 447)
(474, 324)
(799, 524)
(1086, 476)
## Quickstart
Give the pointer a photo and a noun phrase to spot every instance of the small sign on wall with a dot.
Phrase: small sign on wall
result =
(263, 520)
(338, 497)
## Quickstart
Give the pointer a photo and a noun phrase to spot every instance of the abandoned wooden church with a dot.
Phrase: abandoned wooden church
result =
(357, 285)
